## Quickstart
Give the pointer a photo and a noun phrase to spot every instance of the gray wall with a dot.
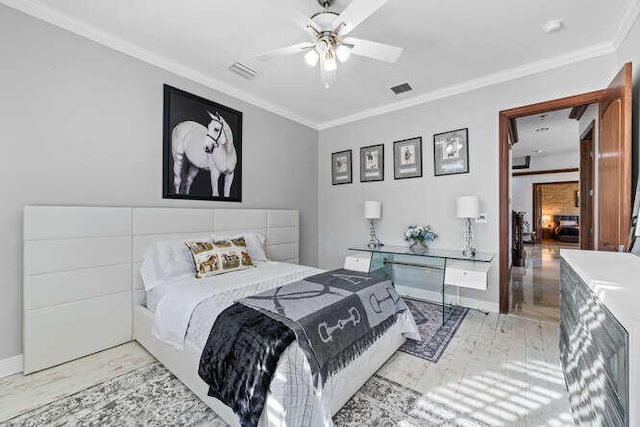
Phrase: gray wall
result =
(431, 199)
(82, 124)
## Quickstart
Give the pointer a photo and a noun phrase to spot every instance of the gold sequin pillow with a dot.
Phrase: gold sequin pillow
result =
(222, 256)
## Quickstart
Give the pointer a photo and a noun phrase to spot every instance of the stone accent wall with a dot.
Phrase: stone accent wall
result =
(560, 199)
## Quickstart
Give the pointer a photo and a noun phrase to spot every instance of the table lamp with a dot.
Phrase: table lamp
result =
(468, 208)
(372, 211)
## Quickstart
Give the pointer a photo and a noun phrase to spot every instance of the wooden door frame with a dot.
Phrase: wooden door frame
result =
(537, 185)
(505, 117)
(587, 205)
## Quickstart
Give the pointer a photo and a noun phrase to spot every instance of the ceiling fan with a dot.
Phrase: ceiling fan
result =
(329, 44)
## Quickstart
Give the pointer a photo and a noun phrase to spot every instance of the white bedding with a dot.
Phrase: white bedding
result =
(187, 309)
(174, 302)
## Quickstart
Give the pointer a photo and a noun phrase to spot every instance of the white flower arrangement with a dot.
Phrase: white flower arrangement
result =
(422, 233)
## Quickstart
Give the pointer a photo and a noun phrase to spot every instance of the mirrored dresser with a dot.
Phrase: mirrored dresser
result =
(600, 336)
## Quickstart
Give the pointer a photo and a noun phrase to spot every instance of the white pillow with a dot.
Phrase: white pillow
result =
(255, 242)
(167, 259)
(568, 223)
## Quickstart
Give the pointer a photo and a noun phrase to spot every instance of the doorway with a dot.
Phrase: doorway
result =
(545, 206)
(613, 179)
(587, 187)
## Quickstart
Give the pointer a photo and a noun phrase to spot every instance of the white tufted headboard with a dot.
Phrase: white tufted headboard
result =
(81, 268)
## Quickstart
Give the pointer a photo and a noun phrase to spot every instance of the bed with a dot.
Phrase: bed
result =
(566, 228)
(83, 263)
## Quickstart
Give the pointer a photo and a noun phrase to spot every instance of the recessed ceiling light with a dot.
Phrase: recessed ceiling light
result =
(543, 129)
(553, 26)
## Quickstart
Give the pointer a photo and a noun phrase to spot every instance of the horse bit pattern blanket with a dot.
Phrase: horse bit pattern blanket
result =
(334, 317)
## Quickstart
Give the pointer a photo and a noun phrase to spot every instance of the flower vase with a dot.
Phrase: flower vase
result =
(419, 247)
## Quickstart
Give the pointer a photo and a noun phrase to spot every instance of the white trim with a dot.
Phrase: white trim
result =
(59, 19)
(628, 19)
(66, 22)
(473, 303)
(10, 366)
(531, 68)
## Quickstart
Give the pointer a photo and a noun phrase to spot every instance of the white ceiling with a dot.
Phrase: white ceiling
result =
(446, 42)
(561, 138)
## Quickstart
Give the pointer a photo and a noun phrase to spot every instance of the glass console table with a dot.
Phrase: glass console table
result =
(432, 261)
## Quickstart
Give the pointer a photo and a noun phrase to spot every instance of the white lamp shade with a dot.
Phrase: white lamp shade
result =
(468, 207)
(372, 209)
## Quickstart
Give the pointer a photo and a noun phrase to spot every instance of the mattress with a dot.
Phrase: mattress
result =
(186, 309)
(176, 303)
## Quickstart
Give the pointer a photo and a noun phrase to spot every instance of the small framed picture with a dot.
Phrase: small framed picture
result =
(451, 152)
(407, 158)
(372, 163)
(341, 167)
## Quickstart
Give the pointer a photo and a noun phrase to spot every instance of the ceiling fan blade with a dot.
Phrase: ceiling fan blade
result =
(355, 13)
(375, 50)
(284, 51)
(304, 22)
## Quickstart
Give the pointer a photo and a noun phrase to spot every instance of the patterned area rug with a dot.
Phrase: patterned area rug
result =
(435, 335)
(385, 403)
(151, 395)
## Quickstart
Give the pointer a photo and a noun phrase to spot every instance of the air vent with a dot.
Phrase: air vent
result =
(402, 88)
(244, 71)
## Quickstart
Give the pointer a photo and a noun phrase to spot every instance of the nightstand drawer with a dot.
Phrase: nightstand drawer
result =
(467, 274)
(359, 261)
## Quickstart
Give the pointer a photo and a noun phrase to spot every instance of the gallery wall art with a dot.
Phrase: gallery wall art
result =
(407, 158)
(372, 163)
(341, 170)
(451, 152)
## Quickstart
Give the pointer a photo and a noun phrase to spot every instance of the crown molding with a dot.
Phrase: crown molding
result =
(66, 22)
(628, 19)
(531, 68)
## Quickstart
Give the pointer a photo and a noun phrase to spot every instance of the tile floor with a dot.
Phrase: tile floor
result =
(504, 370)
(535, 288)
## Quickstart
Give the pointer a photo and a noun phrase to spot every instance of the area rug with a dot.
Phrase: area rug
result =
(151, 395)
(435, 336)
(382, 402)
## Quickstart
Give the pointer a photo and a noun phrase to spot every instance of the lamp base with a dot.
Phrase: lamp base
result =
(469, 252)
(374, 243)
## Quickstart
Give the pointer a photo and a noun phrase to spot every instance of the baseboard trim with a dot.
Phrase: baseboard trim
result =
(10, 366)
(473, 303)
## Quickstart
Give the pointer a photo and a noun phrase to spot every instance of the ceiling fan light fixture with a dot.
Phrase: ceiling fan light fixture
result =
(329, 62)
(343, 53)
(311, 58)
(322, 46)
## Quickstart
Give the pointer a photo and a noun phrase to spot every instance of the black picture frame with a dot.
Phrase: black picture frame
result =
(455, 165)
(341, 167)
(372, 174)
(404, 168)
(525, 165)
(181, 107)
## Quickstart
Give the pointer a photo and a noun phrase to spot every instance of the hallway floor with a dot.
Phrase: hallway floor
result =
(535, 288)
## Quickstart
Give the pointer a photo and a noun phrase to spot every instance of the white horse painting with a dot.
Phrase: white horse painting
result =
(210, 148)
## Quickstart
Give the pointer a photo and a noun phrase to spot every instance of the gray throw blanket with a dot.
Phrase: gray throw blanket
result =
(335, 315)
